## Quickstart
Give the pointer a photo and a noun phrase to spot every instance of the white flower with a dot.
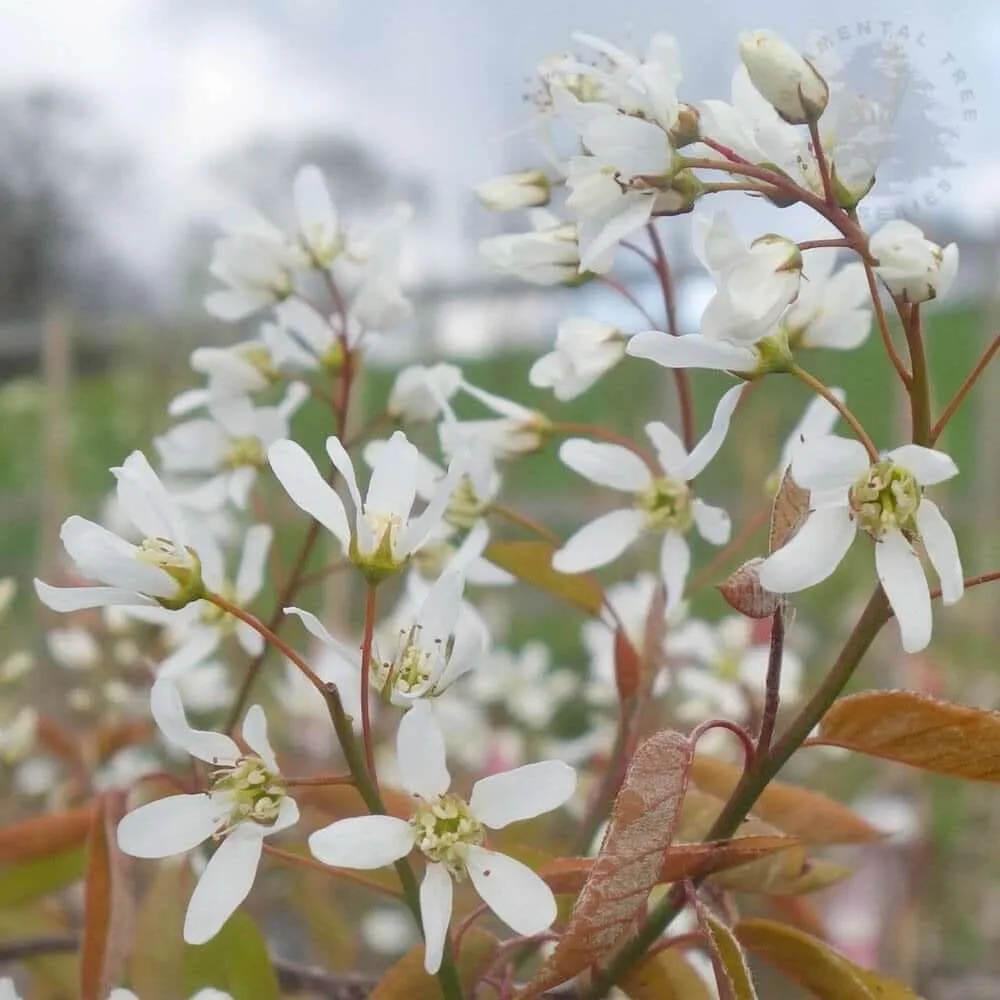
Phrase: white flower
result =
(516, 431)
(418, 391)
(257, 263)
(817, 421)
(524, 683)
(585, 349)
(385, 535)
(378, 302)
(740, 326)
(885, 501)
(248, 801)
(548, 255)
(7, 991)
(201, 621)
(832, 309)
(451, 833)
(231, 444)
(73, 648)
(163, 569)
(728, 664)
(17, 735)
(787, 81)
(432, 648)
(662, 504)
(526, 189)
(307, 340)
(239, 370)
(319, 230)
(913, 268)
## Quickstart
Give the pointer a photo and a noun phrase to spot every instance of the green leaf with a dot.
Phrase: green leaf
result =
(814, 965)
(235, 961)
(729, 953)
(156, 966)
(531, 562)
(40, 877)
(407, 980)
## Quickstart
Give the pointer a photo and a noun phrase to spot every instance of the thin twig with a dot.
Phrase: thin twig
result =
(821, 389)
(963, 390)
(366, 666)
(772, 686)
(883, 325)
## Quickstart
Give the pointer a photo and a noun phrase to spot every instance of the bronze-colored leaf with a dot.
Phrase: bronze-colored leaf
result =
(814, 965)
(666, 976)
(107, 903)
(43, 836)
(407, 980)
(628, 667)
(918, 730)
(789, 511)
(681, 861)
(628, 865)
(742, 591)
(808, 815)
(531, 562)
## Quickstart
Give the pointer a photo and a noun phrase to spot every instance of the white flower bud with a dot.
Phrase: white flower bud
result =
(913, 268)
(784, 78)
(526, 189)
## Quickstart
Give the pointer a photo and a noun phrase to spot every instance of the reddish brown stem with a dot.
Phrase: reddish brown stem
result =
(963, 390)
(883, 326)
(366, 666)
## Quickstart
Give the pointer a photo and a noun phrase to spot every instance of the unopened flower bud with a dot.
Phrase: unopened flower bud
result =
(783, 77)
(913, 268)
(527, 189)
(687, 128)
(680, 198)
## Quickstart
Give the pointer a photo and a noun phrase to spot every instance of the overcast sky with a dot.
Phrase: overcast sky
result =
(436, 86)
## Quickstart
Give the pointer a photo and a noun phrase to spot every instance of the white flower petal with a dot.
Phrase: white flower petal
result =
(224, 884)
(708, 447)
(902, 578)
(713, 523)
(927, 465)
(942, 550)
(512, 891)
(255, 734)
(675, 562)
(814, 552)
(250, 575)
(691, 351)
(168, 713)
(313, 205)
(393, 484)
(600, 542)
(169, 826)
(525, 792)
(829, 463)
(363, 842)
(670, 450)
(350, 655)
(343, 464)
(298, 474)
(435, 913)
(420, 750)
(82, 598)
(606, 464)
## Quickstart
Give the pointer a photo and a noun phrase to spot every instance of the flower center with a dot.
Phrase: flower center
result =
(251, 791)
(445, 828)
(179, 563)
(244, 451)
(886, 497)
(667, 505)
(412, 668)
(464, 507)
(258, 356)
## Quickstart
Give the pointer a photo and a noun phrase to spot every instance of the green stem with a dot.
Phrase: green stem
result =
(750, 787)
(447, 975)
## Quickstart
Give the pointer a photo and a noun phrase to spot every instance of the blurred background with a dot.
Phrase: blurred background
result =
(125, 128)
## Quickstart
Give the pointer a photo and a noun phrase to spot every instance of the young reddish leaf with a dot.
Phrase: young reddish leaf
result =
(742, 591)
(628, 864)
(681, 861)
(666, 976)
(814, 965)
(107, 903)
(805, 814)
(917, 730)
(729, 961)
(43, 836)
(532, 562)
(628, 667)
(789, 511)
(407, 980)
